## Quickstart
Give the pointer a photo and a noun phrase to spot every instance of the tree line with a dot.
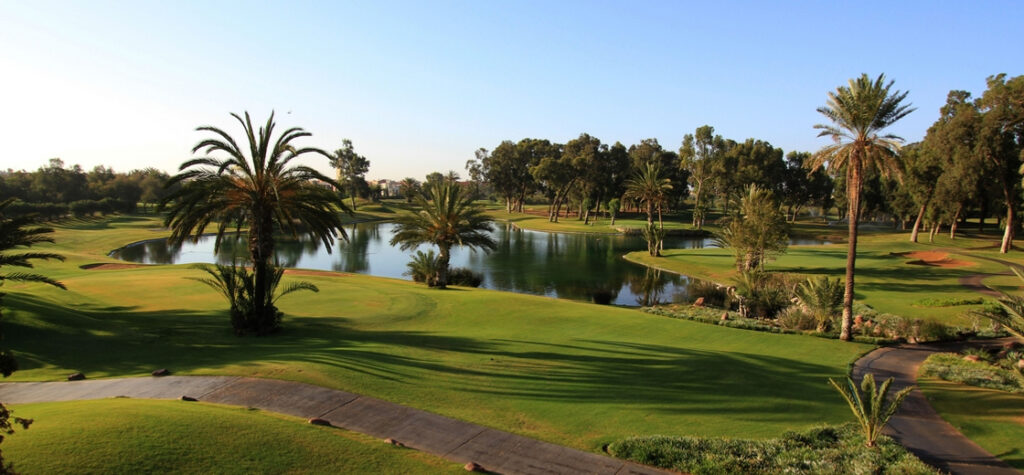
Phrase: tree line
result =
(55, 191)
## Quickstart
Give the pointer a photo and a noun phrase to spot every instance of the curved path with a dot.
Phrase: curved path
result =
(462, 442)
(917, 426)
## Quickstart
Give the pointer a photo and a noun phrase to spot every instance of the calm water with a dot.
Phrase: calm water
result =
(572, 266)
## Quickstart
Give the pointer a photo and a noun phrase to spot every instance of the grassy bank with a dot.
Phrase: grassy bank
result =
(145, 436)
(989, 417)
(571, 373)
(888, 278)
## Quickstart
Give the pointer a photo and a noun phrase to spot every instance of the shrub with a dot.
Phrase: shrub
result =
(465, 277)
(868, 404)
(795, 318)
(948, 302)
(952, 367)
(822, 298)
(238, 286)
(828, 449)
(760, 294)
(424, 268)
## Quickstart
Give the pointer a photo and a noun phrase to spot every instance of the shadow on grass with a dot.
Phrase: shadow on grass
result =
(118, 341)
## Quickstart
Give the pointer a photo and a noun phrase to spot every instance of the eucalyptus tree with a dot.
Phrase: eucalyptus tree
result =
(352, 169)
(445, 216)
(800, 188)
(698, 155)
(923, 170)
(859, 113)
(751, 162)
(256, 188)
(1000, 142)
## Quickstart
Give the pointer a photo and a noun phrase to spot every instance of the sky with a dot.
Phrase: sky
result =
(418, 86)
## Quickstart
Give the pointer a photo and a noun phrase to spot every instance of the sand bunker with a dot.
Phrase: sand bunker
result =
(934, 259)
(109, 266)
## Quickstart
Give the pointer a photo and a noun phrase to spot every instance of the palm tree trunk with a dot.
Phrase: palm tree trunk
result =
(650, 213)
(917, 223)
(853, 191)
(443, 256)
(261, 249)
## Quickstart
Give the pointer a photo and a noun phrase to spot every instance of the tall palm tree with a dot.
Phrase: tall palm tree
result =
(649, 187)
(859, 112)
(15, 233)
(257, 189)
(446, 217)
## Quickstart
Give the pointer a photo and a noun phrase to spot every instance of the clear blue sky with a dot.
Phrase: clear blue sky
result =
(418, 86)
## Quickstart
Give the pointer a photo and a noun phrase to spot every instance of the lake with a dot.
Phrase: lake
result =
(570, 266)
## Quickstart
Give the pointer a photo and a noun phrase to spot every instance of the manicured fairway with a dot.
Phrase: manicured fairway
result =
(993, 419)
(566, 372)
(145, 436)
(886, 279)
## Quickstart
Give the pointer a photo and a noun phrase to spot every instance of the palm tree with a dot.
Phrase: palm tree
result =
(409, 187)
(821, 297)
(859, 112)
(647, 186)
(15, 233)
(446, 217)
(868, 404)
(259, 190)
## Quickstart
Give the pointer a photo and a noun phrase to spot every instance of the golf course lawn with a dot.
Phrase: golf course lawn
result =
(993, 419)
(567, 372)
(889, 278)
(182, 437)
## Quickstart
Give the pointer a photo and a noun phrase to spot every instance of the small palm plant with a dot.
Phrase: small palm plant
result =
(424, 268)
(238, 286)
(868, 404)
(822, 298)
(655, 238)
(1011, 315)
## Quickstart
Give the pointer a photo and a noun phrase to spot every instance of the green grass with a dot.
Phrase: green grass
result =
(885, 280)
(571, 373)
(535, 218)
(145, 436)
(991, 418)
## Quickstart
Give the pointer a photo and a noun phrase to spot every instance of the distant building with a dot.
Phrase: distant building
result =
(388, 188)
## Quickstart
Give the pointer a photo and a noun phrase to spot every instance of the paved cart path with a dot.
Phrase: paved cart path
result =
(917, 426)
(461, 442)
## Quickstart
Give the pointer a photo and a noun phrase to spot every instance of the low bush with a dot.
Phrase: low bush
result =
(952, 367)
(465, 277)
(796, 318)
(828, 449)
(948, 302)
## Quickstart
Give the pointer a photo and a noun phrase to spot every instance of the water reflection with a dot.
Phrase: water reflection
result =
(573, 266)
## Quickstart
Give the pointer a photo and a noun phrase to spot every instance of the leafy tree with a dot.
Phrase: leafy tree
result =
(699, 154)
(1000, 142)
(821, 297)
(433, 178)
(613, 208)
(869, 404)
(858, 114)
(409, 187)
(752, 162)
(262, 193)
(446, 217)
(352, 169)
(800, 188)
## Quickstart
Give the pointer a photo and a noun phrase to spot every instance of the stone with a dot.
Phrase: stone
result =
(1011, 345)
(973, 358)
(394, 442)
(1020, 363)
(699, 302)
(858, 321)
(161, 372)
(319, 422)
(76, 377)
(189, 399)
(474, 467)
(725, 316)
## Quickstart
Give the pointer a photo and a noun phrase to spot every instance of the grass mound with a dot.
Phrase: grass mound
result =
(146, 436)
(827, 449)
